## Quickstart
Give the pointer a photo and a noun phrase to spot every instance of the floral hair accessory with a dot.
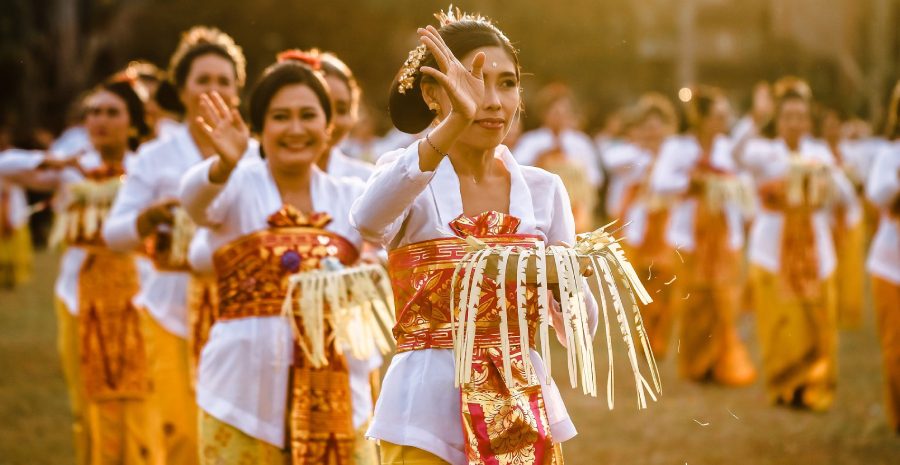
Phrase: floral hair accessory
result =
(302, 57)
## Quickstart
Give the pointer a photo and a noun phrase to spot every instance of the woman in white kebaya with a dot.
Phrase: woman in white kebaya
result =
(883, 189)
(146, 215)
(706, 225)
(266, 219)
(792, 254)
(459, 181)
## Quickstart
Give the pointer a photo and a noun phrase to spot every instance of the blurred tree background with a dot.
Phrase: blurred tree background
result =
(609, 51)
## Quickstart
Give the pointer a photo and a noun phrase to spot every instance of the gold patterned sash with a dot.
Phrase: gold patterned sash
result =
(113, 354)
(252, 274)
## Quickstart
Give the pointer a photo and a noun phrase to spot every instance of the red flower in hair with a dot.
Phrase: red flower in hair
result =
(302, 57)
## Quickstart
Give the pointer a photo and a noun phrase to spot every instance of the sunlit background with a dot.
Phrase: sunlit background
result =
(609, 52)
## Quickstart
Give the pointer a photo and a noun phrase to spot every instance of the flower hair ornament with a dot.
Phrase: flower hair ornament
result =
(302, 57)
(411, 66)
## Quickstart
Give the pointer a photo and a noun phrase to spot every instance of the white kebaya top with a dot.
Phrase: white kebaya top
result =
(769, 160)
(419, 405)
(672, 176)
(882, 189)
(158, 170)
(243, 373)
(574, 143)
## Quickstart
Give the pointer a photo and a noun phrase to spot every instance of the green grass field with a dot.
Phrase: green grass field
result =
(741, 428)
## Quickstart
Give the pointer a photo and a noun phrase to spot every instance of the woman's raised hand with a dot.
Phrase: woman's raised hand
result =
(464, 88)
(224, 127)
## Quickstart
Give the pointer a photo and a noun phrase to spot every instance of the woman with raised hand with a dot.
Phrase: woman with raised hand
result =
(267, 219)
(707, 225)
(459, 181)
(792, 255)
(146, 213)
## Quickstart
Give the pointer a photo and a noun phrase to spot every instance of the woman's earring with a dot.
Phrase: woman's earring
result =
(434, 107)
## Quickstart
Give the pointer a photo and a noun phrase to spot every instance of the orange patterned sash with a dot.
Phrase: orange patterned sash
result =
(113, 355)
(502, 424)
(253, 274)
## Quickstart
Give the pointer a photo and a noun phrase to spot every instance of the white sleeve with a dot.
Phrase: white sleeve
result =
(136, 195)
(591, 159)
(670, 174)
(884, 179)
(378, 213)
(14, 161)
(207, 203)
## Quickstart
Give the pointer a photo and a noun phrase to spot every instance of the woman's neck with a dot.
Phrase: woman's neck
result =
(477, 164)
(792, 144)
(322, 162)
(293, 185)
(112, 155)
(706, 140)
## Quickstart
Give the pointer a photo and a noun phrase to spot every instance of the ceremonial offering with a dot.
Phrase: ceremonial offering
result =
(89, 204)
(168, 246)
(597, 257)
(355, 302)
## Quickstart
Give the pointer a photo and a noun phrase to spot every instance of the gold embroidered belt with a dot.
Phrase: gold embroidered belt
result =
(252, 274)
(252, 271)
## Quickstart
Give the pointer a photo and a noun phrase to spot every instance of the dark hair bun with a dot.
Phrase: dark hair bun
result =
(408, 111)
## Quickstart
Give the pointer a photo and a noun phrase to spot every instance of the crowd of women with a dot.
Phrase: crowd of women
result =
(180, 222)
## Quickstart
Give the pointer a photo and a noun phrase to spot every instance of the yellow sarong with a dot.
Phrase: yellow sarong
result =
(851, 250)
(887, 311)
(798, 337)
(172, 396)
(16, 257)
(709, 346)
(70, 359)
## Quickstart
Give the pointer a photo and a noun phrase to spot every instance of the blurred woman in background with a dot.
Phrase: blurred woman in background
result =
(883, 189)
(146, 214)
(707, 226)
(792, 254)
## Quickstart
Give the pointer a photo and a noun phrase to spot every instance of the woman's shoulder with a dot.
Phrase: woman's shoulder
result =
(539, 179)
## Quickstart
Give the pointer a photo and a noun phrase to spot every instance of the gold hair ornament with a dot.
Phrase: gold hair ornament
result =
(411, 66)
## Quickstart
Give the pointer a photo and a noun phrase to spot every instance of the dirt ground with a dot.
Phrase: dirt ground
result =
(690, 424)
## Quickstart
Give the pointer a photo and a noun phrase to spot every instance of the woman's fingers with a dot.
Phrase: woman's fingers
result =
(438, 76)
(208, 112)
(202, 123)
(478, 65)
(442, 61)
(440, 42)
(222, 108)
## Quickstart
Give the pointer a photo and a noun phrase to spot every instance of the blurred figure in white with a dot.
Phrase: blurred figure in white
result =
(646, 215)
(560, 148)
(848, 224)
(883, 189)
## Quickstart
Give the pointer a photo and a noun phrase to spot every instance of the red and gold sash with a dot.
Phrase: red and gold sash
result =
(502, 424)
(252, 275)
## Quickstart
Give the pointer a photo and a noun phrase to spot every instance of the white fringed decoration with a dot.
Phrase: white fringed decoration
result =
(89, 203)
(605, 257)
(361, 310)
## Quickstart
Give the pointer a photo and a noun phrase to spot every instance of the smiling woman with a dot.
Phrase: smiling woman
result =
(267, 219)
(463, 80)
